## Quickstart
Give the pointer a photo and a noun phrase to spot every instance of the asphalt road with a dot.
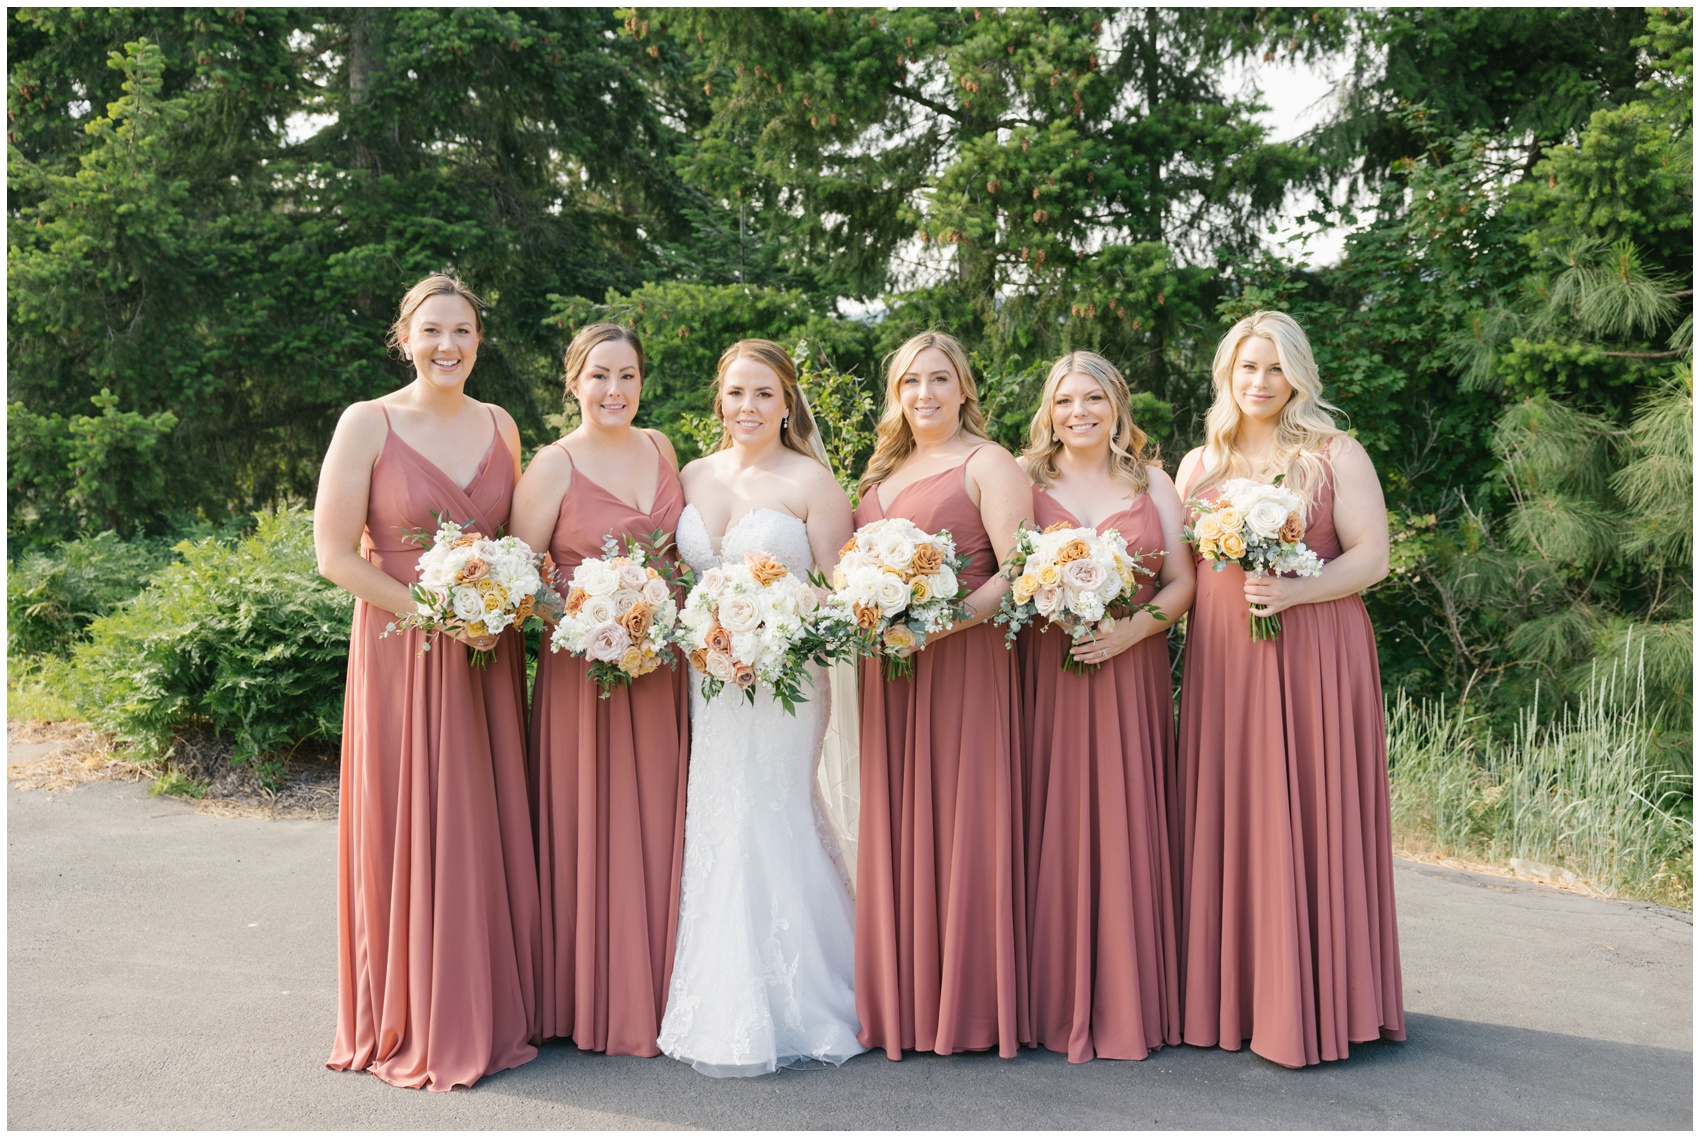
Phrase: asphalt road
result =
(168, 969)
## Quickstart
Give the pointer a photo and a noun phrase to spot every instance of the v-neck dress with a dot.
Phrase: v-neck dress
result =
(610, 778)
(437, 917)
(941, 926)
(1100, 757)
(1288, 935)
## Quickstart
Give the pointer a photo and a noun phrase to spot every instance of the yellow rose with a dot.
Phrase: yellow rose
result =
(1050, 575)
(1025, 586)
(492, 602)
(630, 659)
(920, 590)
(1230, 521)
(1209, 528)
(476, 629)
(1233, 545)
(1207, 550)
(485, 586)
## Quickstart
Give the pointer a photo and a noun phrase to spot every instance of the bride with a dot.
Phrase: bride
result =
(765, 958)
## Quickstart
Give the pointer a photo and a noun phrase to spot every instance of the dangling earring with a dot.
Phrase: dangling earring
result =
(785, 423)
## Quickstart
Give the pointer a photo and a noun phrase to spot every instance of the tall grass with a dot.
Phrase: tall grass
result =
(1581, 791)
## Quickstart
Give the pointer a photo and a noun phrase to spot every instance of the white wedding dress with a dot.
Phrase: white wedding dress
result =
(762, 975)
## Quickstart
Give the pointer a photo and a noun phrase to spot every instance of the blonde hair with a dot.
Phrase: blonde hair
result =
(893, 440)
(588, 337)
(799, 432)
(437, 284)
(1129, 449)
(1306, 425)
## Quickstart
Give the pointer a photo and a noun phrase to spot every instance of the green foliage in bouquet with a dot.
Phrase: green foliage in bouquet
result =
(240, 637)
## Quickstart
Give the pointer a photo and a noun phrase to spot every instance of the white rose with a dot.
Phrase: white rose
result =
(596, 578)
(633, 577)
(897, 552)
(468, 603)
(598, 610)
(485, 550)
(712, 582)
(436, 577)
(944, 583)
(1048, 600)
(740, 613)
(721, 667)
(655, 591)
(1265, 517)
(891, 594)
(626, 598)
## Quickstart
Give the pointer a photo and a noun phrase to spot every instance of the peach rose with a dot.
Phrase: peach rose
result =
(744, 676)
(1055, 526)
(764, 568)
(928, 558)
(526, 608)
(899, 636)
(1293, 530)
(1073, 551)
(474, 570)
(463, 540)
(719, 640)
(636, 621)
(699, 660)
(867, 617)
(849, 547)
(1025, 586)
(1233, 545)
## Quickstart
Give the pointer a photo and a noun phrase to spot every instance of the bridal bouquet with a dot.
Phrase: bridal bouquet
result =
(473, 584)
(1071, 576)
(1259, 527)
(619, 614)
(758, 623)
(898, 583)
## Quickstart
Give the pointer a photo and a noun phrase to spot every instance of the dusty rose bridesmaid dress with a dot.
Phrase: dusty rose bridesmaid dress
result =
(941, 928)
(1287, 935)
(1100, 753)
(437, 921)
(610, 798)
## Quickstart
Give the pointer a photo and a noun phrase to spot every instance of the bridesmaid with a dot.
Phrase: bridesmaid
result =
(1288, 935)
(608, 774)
(941, 930)
(1100, 746)
(437, 922)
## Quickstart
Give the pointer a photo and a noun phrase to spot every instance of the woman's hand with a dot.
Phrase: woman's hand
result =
(1268, 595)
(1102, 646)
(476, 643)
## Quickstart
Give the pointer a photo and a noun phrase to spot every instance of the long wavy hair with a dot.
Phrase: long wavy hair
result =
(588, 337)
(800, 433)
(1306, 425)
(1130, 450)
(893, 440)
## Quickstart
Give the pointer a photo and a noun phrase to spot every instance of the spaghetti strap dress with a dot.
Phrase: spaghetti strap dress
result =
(1288, 936)
(941, 926)
(437, 917)
(1100, 768)
(609, 777)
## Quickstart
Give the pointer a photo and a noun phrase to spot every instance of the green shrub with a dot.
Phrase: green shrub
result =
(241, 637)
(53, 595)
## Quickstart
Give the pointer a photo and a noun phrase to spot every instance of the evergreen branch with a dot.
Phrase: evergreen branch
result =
(1646, 355)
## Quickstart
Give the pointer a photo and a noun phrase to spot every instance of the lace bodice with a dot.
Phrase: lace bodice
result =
(763, 529)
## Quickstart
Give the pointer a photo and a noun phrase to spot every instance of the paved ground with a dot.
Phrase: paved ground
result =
(168, 969)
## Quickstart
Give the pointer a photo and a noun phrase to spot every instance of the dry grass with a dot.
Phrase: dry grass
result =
(199, 772)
